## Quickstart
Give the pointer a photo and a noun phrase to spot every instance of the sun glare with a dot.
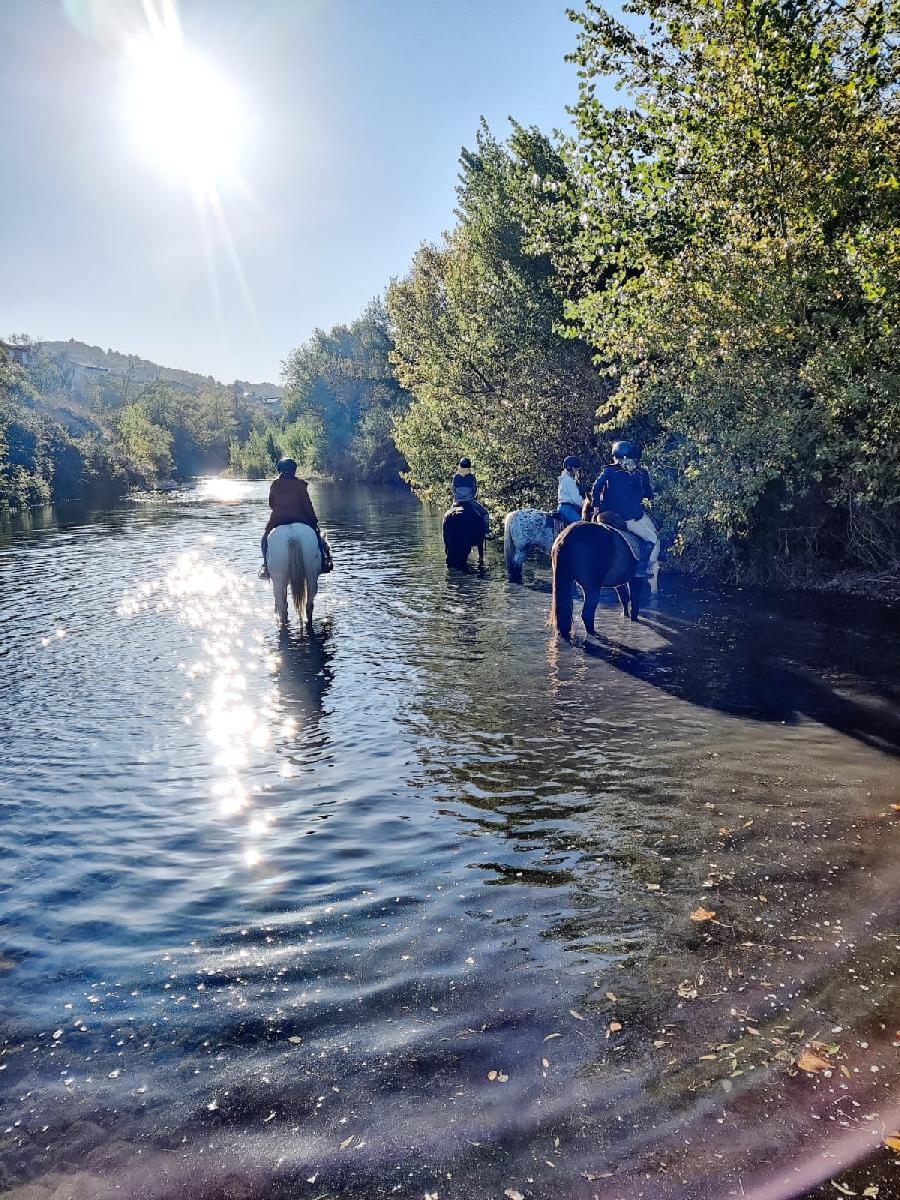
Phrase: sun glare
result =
(185, 115)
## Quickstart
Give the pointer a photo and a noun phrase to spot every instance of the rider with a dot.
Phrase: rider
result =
(290, 504)
(568, 494)
(465, 489)
(622, 488)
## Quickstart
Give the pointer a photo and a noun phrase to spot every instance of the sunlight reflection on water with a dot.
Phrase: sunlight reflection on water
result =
(341, 877)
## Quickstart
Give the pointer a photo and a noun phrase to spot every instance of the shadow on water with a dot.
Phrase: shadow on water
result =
(758, 666)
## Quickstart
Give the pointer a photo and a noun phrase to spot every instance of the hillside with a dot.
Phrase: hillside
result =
(83, 359)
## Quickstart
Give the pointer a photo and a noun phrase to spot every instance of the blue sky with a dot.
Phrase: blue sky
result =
(354, 115)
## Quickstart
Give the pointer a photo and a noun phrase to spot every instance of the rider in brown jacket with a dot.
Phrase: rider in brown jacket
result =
(290, 503)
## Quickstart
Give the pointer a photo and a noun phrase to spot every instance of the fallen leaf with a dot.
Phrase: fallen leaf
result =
(708, 1057)
(660, 1042)
(512, 1194)
(295, 1039)
(702, 914)
(492, 1075)
(346, 1142)
(615, 1026)
(871, 1191)
(501, 1078)
(687, 991)
(654, 887)
(892, 1141)
(612, 996)
(576, 1015)
(810, 1062)
(839, 1187)
(896, 808)
(545, 1063)
(551, 1036)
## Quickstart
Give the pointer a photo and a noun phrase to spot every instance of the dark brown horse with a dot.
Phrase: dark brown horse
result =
(463, 531)
(594, 556)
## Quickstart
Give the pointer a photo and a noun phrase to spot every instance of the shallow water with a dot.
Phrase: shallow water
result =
(403, 906)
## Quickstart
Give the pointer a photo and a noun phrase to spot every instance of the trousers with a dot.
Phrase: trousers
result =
(643, 527)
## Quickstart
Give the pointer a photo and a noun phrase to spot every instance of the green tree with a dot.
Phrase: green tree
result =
(147, 447)
(731, 248)
(477, 324)
(341, 387)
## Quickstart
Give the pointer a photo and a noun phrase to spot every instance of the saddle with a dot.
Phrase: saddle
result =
(612, 520)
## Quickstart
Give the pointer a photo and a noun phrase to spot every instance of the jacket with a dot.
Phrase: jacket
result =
(289, 501)
(621, 491)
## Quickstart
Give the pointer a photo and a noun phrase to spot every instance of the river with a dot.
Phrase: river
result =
(427, 903)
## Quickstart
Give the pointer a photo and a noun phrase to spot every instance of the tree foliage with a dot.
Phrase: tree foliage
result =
(475, 323)
(730, 246)
(341, 397)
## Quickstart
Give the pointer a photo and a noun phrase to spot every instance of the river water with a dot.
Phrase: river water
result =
(403, 907)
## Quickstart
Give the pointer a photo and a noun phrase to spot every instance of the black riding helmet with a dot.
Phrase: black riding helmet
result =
(286, 466)
(465, 462)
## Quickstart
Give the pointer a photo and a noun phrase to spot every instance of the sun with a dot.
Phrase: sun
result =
(184, 115)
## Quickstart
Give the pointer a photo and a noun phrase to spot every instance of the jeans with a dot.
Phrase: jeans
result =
(570, 511)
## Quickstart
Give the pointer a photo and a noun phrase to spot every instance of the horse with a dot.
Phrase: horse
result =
(594, 556)
(463, 529)
(294, 559)
(523, 529)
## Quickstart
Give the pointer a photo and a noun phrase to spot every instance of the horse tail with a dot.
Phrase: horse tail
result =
(297, 574)
(509, 546)
(563, 582)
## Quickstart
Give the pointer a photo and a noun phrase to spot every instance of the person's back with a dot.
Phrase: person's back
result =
(465, 489)
(289, 501)
(568, 494)
(622, 488)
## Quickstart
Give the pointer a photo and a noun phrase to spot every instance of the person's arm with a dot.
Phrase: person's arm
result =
(271, 494)
(599, 488)
(306, 505)
(647, 493)
(474, 485)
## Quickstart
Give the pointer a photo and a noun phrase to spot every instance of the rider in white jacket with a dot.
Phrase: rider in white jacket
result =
(568, 496)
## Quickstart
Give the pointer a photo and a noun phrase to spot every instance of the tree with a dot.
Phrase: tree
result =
(147, 446)
(477, 325)
(731, 250)
(341, 388)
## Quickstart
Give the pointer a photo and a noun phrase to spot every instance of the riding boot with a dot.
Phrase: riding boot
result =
(264, 571)
(643, 568)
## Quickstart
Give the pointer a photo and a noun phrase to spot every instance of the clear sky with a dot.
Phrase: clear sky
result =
(350, 117)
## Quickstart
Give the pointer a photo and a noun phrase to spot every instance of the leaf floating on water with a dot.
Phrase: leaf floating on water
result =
(492, 1075)
(615, 1026)
(576, 1015)
(811, 1062)
(612, 996)
(346, 1142)
(545, 1063)
(654, 887)
(497, 1077)
(551, 1036)
(872, 1191)
(270, 1117)
(295, 1039)
(687, 990)
(845, 1191)
(702, 914)
(892, 1141)
(512, 1194)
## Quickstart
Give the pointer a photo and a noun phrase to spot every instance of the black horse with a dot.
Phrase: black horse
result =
(463, 529)
(595, 557)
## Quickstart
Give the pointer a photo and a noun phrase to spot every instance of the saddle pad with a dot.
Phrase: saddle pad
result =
(631, 540)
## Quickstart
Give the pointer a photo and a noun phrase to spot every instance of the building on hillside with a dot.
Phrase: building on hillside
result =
(18, 352)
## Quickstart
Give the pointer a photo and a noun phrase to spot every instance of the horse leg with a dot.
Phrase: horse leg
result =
(481, 555)
(589, 608)
(635, 589)
(622, 593)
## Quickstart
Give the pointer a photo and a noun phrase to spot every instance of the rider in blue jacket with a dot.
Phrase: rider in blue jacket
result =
(622, 488)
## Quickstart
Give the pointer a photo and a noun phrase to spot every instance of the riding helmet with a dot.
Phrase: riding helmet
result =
(465, 462)
(572, 463)
(625, 450)
(286, 466)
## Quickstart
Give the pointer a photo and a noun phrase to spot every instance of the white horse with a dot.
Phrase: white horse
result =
(532, 528)
(524, 529)
(294, 559)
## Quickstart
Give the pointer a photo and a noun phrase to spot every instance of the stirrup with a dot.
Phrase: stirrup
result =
(263, 572)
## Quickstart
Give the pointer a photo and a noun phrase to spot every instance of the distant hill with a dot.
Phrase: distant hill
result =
(141, 370)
